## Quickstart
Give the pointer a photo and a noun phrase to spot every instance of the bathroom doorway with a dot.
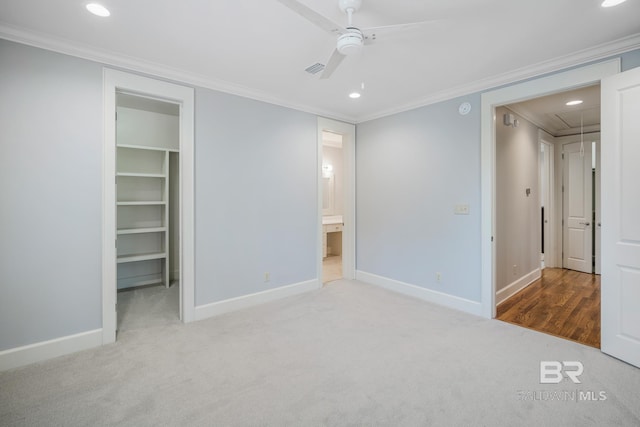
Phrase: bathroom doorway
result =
(332, 206)
(336, 200)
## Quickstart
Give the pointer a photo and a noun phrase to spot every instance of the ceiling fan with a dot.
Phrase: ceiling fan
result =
(350, 38)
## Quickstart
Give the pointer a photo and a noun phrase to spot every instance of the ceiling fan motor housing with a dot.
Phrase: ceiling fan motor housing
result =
(345, 5)
(350, 42)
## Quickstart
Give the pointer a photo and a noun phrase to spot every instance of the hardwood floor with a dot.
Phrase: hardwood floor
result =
(564, 303)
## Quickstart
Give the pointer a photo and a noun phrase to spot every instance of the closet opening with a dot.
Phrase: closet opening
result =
(147, 211)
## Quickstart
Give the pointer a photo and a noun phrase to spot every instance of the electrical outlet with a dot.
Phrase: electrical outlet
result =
(438, 277)
(515, 269)
(267, 277)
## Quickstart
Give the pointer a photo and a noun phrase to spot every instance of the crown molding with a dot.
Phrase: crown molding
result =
(128, 63)
(582, 57)
(153, 69)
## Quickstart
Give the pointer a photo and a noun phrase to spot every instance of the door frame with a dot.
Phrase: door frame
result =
(119, 81)
(348, 132)
(550, 242)
(572, 79)
(561, 141)
(564, 142)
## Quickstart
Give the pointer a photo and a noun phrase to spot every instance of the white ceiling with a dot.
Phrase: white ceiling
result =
(260, 48)
(553, 115)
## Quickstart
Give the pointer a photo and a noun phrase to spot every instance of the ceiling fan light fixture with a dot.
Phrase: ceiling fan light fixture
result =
(98, 10)
(350, 43)
(574, 102)
(611, 3)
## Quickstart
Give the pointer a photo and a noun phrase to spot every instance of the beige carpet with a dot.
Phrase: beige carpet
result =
(349, 354)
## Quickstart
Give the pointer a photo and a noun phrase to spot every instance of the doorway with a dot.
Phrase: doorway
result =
(332, 206)
(147, 211)
(576, 78)
(538, 293)
(336, 200)
(144, 233)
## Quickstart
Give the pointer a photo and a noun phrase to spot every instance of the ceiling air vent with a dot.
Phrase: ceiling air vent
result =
(315, 68)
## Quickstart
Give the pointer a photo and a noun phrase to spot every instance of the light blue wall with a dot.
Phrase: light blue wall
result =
(411, 170)
(50, 195)
(255, 179)
(256, 196)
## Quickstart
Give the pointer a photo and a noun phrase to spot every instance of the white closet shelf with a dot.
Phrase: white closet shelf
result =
(146, 147)
(141, 257)
(142, 230)
(142, 175)
(139, 203)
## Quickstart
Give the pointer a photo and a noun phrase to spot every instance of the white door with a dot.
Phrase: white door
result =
(577, 207)
(620, 293)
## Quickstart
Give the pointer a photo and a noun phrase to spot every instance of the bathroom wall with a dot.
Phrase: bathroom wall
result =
(333, 156)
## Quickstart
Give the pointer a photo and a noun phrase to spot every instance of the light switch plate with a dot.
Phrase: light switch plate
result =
(461, 209)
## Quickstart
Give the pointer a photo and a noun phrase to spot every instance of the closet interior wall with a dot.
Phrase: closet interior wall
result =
(147, 139)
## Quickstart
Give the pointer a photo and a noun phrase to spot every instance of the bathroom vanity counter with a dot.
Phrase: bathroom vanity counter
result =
(332, 225)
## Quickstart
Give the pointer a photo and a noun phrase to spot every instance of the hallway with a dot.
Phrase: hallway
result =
(564, 303)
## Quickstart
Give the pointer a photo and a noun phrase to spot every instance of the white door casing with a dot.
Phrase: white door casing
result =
(620, 152)
(118, 81)
(577, 207)
(598, 220)
(575, 78)
(348, 132)
(547, 180)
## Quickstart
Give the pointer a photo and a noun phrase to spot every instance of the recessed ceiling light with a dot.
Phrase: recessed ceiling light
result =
(354, 95)
(574, 102)
(98, 9)
(610, 3)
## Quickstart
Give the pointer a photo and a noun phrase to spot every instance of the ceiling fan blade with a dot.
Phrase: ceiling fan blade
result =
(314, 17)
(371, 32)
(332, 64)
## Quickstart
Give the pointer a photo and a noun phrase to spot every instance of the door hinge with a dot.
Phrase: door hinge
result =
(563, 155)
(492, 238)
(563, 188)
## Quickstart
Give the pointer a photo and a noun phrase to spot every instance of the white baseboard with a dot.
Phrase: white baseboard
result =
(513, 288)
(440, 298)
(32, 353)
(245, 301)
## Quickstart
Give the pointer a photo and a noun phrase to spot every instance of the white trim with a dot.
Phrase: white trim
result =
(184, 96)
(79, 50)
(571, 79)
(113, 59)
(38, 352)
(348, 132)
(436, 297)
(596, 53)
(513, 288)
(246, 301)
(550, 240)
